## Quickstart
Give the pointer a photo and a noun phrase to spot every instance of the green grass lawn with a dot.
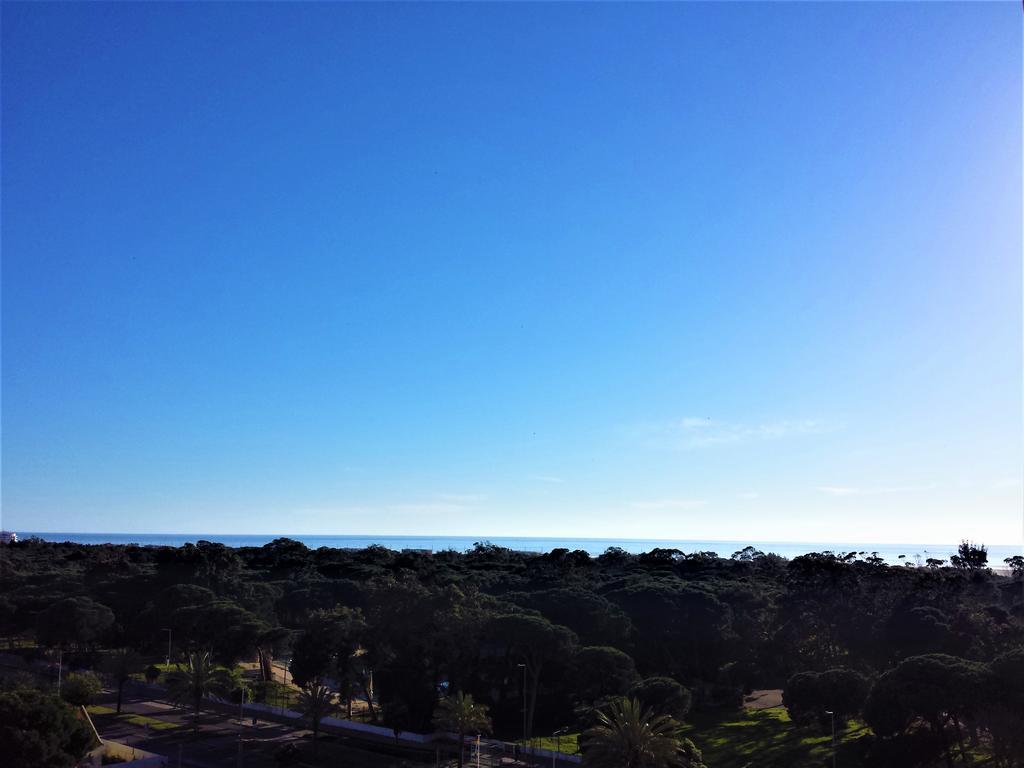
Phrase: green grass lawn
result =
(154, 723)
(767, 738)
(14, 643)
(567, 743)
(763, 738)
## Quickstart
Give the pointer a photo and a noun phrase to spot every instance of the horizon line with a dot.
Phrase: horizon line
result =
(485, 539)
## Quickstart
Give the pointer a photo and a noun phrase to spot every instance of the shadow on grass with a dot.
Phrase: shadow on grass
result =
(767, 738)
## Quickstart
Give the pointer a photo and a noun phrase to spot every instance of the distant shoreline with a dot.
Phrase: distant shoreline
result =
(912, 552)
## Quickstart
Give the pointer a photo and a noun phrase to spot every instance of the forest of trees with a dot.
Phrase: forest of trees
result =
(931, 657)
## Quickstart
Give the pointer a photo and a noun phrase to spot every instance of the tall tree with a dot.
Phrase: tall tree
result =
(80, 688)
(630, 735)
(329, 646)
(939, 689)
(74, 621)
(120, 665)
(970, 556)
(316, 701)
(536, 642)
(190, 683)
(1002, 712)
(458, 713)
(224, 627)
(664, 695)
(809, 695)
(600, 671)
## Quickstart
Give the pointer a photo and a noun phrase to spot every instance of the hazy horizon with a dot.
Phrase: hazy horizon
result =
(894, 553)
(675, 271)
(484, 537)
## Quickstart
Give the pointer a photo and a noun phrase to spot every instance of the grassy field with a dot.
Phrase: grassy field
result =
(567, 743)
(767, 738)
(153, 722)
(764, 738)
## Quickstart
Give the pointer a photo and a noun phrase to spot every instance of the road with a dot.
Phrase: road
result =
(157, 726)
(149, 722)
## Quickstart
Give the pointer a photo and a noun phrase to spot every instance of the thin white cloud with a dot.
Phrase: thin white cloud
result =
(548, 479)
(438, 504)
(668, 504)
(462, 498)
(843, 490)
(837, 490)
(748, 495)
(430, 508)
(700, 432)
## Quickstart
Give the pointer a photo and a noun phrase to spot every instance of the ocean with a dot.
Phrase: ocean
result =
(891, 553)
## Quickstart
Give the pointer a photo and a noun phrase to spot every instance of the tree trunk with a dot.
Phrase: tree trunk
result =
(462, 745)
(964, 757)
(947, 753)
(259, 662)
(120, 687)
(369, 702)
(345, 686)
(533, 700)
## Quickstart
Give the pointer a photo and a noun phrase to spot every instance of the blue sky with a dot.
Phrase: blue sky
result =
(684, 271)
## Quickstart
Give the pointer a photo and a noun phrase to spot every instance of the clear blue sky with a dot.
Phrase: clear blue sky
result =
(685, 271)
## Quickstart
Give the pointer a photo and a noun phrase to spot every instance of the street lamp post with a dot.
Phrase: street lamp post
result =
(524, 704)
(60, 668)
(169, 634)
(284, 676)
(558, 744)
(832, 715)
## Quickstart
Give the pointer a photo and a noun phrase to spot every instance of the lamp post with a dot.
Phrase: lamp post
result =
(832, 715)
(60, 668)
(524, 703)
(169, 634)
(558, 743)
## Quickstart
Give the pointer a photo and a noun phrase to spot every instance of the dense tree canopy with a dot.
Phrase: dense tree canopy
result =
(543, 638)
(820, 696)
(664, 696)
(80, 688)
(40, 730)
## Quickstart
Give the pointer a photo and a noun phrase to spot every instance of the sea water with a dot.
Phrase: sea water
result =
(891, 553)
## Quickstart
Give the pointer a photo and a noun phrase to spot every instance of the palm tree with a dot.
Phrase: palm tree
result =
(316, 701)
(460, 714)
(629, 735)
(190, 684)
